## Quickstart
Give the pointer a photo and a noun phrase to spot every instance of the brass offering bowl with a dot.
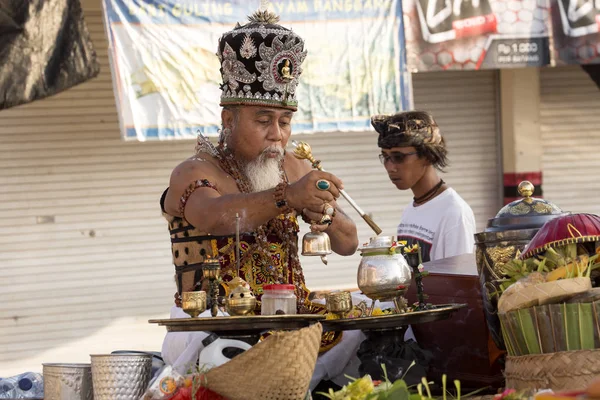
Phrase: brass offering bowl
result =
(339, 303)
(193, 303)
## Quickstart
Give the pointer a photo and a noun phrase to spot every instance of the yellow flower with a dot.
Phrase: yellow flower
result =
(360, 388)
(411, 249)
(378, 311)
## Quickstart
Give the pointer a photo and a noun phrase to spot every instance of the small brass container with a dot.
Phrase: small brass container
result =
(193, 303)
(339, 303)
(240, 301)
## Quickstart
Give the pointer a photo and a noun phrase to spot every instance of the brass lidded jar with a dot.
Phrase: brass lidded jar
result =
(505, 235)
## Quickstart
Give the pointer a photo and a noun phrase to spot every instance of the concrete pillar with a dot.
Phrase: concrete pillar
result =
(521, 133)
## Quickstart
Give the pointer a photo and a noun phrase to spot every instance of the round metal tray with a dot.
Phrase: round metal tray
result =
(393, 321)
(255, 324)
(240, 325)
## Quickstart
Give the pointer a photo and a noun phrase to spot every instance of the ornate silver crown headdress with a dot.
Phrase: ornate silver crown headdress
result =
(261, 63)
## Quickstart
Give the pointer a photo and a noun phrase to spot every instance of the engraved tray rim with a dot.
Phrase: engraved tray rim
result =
(240, 323)
(393, 321)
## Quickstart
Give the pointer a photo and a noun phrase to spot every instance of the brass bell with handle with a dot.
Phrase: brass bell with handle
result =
(318, 243)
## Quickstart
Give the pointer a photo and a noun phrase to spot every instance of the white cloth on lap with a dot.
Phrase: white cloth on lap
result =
(182, 349)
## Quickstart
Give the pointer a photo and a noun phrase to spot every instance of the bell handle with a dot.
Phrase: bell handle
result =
(317, 165)
(359, 210)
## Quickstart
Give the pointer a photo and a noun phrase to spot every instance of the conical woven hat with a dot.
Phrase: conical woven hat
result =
(279, 368)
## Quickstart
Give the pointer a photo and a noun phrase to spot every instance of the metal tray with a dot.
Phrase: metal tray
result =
(393, 321)
(240, 325)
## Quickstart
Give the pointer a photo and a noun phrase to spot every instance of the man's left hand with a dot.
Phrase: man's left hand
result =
(315, 217)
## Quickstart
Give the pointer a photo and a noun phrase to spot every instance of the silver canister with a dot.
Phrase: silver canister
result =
(120, 376)
(68, 382)
(383, 272)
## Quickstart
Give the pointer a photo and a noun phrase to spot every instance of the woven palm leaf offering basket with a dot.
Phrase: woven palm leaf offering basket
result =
(278, 368)
(548, 309)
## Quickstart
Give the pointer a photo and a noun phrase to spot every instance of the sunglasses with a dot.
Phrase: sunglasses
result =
(396, 158)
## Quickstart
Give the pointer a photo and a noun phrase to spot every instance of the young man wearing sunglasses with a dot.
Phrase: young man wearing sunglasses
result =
(412, 152)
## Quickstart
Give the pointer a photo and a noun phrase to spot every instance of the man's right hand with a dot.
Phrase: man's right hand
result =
(305, 194)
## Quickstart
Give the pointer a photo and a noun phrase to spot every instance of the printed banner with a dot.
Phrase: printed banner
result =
(576, 31)
(476, 34)
(166, 72)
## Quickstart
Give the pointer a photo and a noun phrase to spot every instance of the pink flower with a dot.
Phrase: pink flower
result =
(421, 268)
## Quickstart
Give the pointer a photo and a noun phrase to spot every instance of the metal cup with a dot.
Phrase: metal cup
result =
(68, 382)
(120, 376)
(339, 303)
(193, 303)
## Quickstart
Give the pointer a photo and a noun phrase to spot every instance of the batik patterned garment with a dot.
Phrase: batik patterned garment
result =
(191, 247)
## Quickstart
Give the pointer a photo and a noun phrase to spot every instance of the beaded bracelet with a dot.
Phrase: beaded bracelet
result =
(279, 196)
(190, 189)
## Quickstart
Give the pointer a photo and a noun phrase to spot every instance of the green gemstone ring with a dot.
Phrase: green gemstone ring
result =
(322, 184)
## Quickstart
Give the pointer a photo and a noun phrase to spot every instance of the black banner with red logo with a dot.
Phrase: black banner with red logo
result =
(576, 31)
(490, 34)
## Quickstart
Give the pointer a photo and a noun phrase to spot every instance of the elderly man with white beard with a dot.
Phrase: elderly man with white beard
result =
(249, 173)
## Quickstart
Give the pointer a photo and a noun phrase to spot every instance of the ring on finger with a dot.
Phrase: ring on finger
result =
(323, 184)
(328, 209)
(325, 220)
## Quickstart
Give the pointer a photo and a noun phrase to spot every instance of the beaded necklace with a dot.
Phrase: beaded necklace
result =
(283, 229)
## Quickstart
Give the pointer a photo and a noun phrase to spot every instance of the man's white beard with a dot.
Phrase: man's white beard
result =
(264, 172)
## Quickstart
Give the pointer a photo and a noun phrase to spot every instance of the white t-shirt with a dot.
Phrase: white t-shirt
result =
(443, 227)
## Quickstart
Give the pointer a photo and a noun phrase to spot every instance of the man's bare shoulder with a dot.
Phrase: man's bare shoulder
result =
(200, 166)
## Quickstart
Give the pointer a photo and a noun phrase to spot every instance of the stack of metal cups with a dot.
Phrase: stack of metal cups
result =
(68, 382)
(121, 376)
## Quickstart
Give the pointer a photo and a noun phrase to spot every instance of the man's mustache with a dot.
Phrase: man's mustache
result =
(273, 149)
(270, 150)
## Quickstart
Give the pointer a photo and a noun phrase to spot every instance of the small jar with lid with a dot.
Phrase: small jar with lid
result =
(278, 299)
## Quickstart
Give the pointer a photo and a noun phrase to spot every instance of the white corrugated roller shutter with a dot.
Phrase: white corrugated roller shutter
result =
(102, 267)
(84, 252)
(570, 117)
